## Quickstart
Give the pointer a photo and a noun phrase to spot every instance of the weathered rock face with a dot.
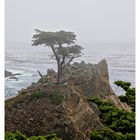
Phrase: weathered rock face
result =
(93, 79)
(72, 118)
(62, 109)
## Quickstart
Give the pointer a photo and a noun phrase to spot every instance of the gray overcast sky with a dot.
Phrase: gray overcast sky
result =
(91, 20)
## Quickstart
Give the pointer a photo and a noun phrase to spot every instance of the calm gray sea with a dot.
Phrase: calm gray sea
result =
(25, 59)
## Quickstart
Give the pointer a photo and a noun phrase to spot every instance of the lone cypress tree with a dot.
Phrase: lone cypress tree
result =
(63, 45)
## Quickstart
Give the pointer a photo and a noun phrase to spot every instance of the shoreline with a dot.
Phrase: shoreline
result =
(25, 84)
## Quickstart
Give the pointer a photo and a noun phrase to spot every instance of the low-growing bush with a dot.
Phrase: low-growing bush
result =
(19, 136)
(56, 98)
(96, 136)
(129, 96)
(37, 95)
(15, 136)
(122, 83)
(118, 123)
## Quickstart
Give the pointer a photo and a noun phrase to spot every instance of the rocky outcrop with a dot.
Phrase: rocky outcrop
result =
(93, 79)
(72, 119)
(11, 76)
(63, 109)
(8, 73)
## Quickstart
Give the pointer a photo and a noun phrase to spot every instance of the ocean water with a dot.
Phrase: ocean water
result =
(27, 60)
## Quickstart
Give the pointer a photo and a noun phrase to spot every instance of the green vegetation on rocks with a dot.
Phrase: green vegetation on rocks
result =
(37, 95)
(118, 124)
(110, 122)
(19, 136)
(56, 98)
(109, 134)
(129, 96)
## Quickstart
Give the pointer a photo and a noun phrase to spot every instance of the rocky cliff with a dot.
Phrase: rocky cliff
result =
(63, 109)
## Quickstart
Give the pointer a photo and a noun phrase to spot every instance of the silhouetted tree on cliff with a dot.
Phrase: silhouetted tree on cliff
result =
(63, 45)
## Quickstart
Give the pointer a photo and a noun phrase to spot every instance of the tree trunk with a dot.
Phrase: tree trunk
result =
(59, 73)
(59, 65)
(61, 70)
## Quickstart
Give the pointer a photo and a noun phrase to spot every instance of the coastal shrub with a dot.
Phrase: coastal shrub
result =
(95, 100)
(123, 98)
(15, 136)
(129, 96)
(118, 123)
(96, 136)
(105, 108)
(52, 137)
(111, 114)
(37, 95)
(122, 83)
(99, 101)
(56, 98)
(19, 136)
(125, 87)
(108, 134)
(48, 137)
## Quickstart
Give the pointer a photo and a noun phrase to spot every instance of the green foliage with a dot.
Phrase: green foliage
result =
(100, 101)
(63, 45)
(56, 98)
(108, 134)
(96, 136)
(129, 96)
(116, 119)
(48, 137)
(120, 124)
(37, 95)
(122, 83)
(53, 38)
(96, 100)
(19, 136)
(15, 136)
